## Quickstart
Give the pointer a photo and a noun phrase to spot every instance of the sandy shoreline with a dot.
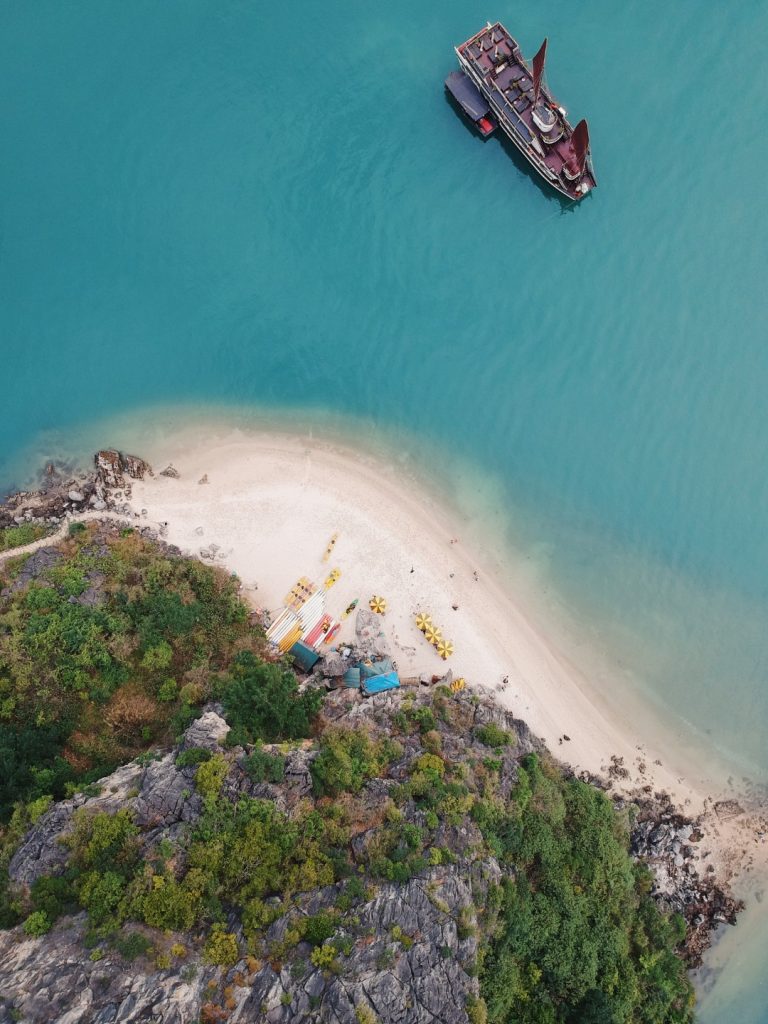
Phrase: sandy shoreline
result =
(271, 504)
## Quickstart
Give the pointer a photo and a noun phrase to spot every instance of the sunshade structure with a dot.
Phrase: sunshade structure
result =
(378, 605)
(423, 621)
(458, 684)
(445, 649)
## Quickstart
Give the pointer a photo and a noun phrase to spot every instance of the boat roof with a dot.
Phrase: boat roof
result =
(466, 93)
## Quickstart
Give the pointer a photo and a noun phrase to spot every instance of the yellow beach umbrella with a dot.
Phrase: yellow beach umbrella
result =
(458, 684)
(378, 605)
(437, 635)
(432, 633)
(445, 649)
(423, 621)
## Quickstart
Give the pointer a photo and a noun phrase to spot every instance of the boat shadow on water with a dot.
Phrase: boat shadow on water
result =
(521, 164)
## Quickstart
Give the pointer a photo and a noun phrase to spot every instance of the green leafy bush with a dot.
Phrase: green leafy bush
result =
(264, 767)
(192, 756)
(347, 759)
(579, 939)
(210, 776)
(493, 736)
(221, 947)
(37, 924)
(262, 702)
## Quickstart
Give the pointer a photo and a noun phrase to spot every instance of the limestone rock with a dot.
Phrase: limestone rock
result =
(109, 467)
(208, 732)
(371, 641)
(166, 796)
(332, 665)
(135, 467)
(41, 852)
(171, 471)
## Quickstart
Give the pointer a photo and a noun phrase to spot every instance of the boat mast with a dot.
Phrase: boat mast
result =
(538, 72)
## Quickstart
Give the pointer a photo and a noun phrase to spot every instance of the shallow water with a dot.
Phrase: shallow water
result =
(210, 204)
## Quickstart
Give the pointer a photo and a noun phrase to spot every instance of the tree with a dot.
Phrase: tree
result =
(262, 702)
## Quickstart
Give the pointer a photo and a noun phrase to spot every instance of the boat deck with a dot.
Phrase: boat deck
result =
(494, 61)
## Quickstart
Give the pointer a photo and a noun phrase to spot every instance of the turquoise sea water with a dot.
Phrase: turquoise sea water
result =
(244, 205)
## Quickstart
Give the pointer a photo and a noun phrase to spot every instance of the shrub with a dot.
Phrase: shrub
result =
(132, 945)
(38, 923)
(104, 842)
(492, 736)
(320, 927)
(221, 947)
(262, 702)
(168, 690)
(347, 759)
(324, 958)
(210, 776)
(477, 1011)
(192, 756)
(431, 765)
(424, 719)
(264, 767)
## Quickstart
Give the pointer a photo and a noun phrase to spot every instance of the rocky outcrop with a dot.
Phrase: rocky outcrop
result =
(410, 948)
(370, 640)
(668, 843)
(64, 493)
(42, 852)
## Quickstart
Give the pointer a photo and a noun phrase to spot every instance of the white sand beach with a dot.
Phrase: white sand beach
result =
(272, 502)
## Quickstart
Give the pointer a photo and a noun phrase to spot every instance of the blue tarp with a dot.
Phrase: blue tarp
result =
(378, 684)
(304, 655)
(376, 668)
(352, 677)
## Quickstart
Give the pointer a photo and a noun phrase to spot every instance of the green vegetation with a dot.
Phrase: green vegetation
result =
(492, 736)
(84, 688)
(264, 767)
(17, 536)
(348, 758)
(571, 935)
(262, 702)
(578, 939)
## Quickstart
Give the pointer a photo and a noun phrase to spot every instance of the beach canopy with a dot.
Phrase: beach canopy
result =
(378, 605)
(423, 621)
(352, 677)
(445, 649)
(304, 655)
(375, 668)
(458, 684)
(378, 684)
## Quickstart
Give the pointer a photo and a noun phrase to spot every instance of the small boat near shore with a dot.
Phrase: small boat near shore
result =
(496, 88)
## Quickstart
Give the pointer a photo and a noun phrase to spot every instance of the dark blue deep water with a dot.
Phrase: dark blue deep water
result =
(268, 207)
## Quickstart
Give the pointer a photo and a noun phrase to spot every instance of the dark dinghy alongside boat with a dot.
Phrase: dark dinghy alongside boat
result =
(496, 87)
